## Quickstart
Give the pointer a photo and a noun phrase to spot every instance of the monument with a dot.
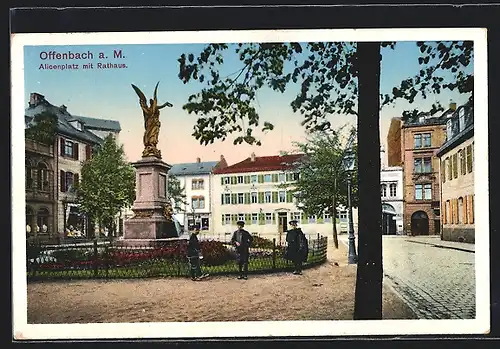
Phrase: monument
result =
(152, 209)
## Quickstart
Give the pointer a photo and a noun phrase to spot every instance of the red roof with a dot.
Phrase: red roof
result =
(261, 164)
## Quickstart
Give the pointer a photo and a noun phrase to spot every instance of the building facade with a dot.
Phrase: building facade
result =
(394, 156)
(391, 192)
(76, 137)
(457, 176)
(197, 180)
(421, 139)
(249, 191)
(40, 190)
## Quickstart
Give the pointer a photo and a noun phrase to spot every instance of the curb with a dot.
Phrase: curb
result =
(441, 246)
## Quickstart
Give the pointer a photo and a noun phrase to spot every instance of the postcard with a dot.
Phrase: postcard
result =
(225, 184)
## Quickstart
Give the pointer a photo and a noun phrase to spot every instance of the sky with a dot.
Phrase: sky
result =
(107, 94)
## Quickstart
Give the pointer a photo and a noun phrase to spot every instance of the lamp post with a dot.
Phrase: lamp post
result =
(349, 168)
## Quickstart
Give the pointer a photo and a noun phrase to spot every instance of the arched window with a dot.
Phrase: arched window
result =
(28, 174)
(42, 219)
(460, 210)
(392, 189)
(383, 190)
(29, 220)
(42, 177)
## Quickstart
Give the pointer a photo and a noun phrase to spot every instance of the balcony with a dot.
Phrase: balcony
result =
(39, 148)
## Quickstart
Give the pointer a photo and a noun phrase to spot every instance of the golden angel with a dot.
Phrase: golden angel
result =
(152, 123)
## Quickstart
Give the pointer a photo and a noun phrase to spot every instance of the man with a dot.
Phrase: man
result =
(297, 247)
(193, 252)
(242, 240)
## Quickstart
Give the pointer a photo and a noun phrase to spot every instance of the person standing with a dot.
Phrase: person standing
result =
(242, 240)
(297, 247)
(193, 252)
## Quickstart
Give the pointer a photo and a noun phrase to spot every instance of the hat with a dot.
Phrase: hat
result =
(240, 223)
(293, 221)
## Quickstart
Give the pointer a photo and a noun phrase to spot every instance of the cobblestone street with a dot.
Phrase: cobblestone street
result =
(436, 282)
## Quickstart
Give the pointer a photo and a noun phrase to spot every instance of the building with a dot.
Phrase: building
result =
(394, 157)
(249, 191)
(457, 176)
(40, 190)
(196, 179)
(391, 191)
(76, 136)
(422, 136)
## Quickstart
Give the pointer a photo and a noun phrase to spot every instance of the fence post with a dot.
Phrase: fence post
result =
(96, 256)
(274, 253)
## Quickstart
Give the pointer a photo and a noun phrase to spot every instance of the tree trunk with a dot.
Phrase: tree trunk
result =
(334, 214)
(368, 294)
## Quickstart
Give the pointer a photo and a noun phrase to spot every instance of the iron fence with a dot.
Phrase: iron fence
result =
(109, 259)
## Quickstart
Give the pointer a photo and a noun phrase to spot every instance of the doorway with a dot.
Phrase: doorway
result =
(420, 223)
(282, 225)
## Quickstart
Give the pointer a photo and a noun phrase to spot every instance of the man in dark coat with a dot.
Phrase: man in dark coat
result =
(297, 247)
(193, 252)
(242, 240)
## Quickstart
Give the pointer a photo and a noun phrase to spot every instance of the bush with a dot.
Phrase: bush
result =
(215, 253)
(259, 242)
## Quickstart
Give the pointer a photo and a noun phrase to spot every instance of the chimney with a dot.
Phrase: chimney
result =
(453, 106)
(252, 157)
(36, 99)
(198, 160)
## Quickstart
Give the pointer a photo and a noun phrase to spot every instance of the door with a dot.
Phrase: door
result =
(437, 227)
(204, 224)
(420, 223)
(282, 225)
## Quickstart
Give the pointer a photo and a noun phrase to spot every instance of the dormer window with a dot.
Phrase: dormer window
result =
(461, 119)
(449, 129)
(77, 124)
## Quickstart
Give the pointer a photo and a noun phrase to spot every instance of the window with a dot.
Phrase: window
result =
(312, 219)
(327, 217)
(198, 202)
(254, 197)
(418, 140)
(282, 196)
(240, 179)
(227, 199)
(383, 190)
(392, 189)
(67, 181)
(269, 218)
(296, 176)
(68, 148)
(29, 174)
(461, 119)
(70, 181)
(449, 168)
(255, 217)
(460, 210)
(422, 165)
(418, 192)
(227, 219)
(443, 171)
(267, 178)
(428, 191)
(469, 158)
(241, 198)
(253, 179)
(282, 177)
(455, 165)
(426, 138)
(227, 180)
(42, 219)
(296, 216)
(42, 177)
(461, 157)
(197, 184)
(449, 130)
(267, 197)
(241, 217)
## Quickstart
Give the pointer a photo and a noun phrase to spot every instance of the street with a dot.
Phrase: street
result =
(436, 282)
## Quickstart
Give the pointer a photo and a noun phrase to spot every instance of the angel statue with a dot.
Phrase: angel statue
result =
(151, 122)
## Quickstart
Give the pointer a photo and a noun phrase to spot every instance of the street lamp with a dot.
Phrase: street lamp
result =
(348, 162)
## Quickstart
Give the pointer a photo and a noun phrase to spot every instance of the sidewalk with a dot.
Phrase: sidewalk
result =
(433, 240)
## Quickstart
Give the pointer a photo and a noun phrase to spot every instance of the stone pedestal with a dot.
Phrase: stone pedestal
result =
(151, 220)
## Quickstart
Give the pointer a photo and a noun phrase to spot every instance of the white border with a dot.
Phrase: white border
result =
(480, 325)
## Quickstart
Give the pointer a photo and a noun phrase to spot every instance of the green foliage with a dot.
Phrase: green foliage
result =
(107, 182)
(322, 175)
(176, 192)
(326, 73)
(43, 128)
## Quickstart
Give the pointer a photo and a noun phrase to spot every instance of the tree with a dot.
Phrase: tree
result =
(334, 78)
(322, 182)
(107, 183)
(176, 192)
(42, 128)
